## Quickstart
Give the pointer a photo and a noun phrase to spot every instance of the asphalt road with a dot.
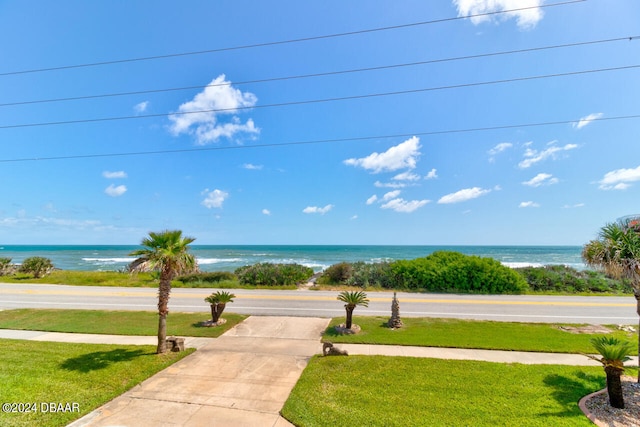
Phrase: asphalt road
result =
(305, 303)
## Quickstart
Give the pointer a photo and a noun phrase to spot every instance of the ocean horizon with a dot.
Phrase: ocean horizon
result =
(318, 257)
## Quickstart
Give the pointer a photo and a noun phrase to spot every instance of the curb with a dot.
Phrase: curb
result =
(583, 407)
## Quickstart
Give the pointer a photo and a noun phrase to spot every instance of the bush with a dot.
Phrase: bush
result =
(563, 279)
(445, 271)
(209, 277)
(337, 274)
(268, 274)
(36, 266)
(6, 267)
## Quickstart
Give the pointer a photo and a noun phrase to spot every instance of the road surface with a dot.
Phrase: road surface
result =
(510, 308)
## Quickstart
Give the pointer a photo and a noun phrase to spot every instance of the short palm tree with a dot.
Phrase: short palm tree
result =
(616, 251)
(352, 300)
(168, 253)
(614, 353)
(218, 301)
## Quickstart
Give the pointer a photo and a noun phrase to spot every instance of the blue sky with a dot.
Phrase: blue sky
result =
(524, 148)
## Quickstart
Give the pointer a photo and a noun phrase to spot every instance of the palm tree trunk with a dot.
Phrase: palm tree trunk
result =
(216, 311)
(349, 316)
(636, 294)
(163, 309)
(614, 387)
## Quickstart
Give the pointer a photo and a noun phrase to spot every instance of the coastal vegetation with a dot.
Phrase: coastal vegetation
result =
(443, 272)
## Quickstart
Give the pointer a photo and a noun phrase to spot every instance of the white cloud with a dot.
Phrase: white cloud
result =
(141, 107)
(533, 156)
(619, 179)
(463, 195)
(389, 184)
(200, 117)
(402, 156)
(114, 175)
(577, 205)
(541, 179)
(115, 191)
(500, 148)
(391, 195)
(586, 120)
(528, 205)
(526, 18)
(266, 212)
(315, 209)
(407, 176)
(250, 166)
(214, 199)
(404, 206)
(371, 200)
(433, 174)
(354, 217)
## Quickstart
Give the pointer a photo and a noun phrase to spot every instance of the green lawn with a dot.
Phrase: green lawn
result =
(401, 391)
(470, 334)
(88, 375)
(113, 322)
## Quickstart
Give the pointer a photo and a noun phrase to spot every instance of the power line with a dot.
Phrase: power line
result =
(282, 42)
(324, 74)
(319, 141)
(316, 101)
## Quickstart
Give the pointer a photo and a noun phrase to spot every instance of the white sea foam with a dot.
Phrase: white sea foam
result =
(522, 264)
(207, 261)
(108, 260)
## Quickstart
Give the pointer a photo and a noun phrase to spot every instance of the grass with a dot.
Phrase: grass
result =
(470, 334)
(87, 278)
(86, 374)
(402, 391)
(113, 322)
(123, 279)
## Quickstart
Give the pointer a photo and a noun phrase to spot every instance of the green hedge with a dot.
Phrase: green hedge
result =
(268, 274)
(360, 274)
(445, 271)
(209, 277)
(563, 279)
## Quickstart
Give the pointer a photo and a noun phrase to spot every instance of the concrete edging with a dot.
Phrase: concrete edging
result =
(582, 403)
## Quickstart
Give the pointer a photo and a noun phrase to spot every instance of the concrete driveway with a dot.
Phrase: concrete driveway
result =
(242, 378)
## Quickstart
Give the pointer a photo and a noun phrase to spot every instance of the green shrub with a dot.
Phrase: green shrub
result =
(337, 274)
(5, 266)
(563, 279)
(208, 277)
(36, 266)
(268, 274)
(445, 271)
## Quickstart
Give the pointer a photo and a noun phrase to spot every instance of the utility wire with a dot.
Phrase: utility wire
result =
(316, 101)
(319, 141)
(282, 42)
(329, 73)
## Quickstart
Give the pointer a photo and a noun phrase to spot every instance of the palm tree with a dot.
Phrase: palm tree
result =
(218, 302)
(352, 300)
(614, 353)
(166, 252)
(616, 251)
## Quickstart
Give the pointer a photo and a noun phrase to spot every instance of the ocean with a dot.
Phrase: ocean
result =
(228, 258)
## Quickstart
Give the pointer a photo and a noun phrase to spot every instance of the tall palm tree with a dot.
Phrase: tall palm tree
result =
(614, 353)
(352, 300)
(218, 301)
(616, 251)
(166, 252)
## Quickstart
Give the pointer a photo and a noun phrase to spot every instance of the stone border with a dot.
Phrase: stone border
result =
(582, 403)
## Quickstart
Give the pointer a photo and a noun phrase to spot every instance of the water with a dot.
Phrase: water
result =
(228, 258)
